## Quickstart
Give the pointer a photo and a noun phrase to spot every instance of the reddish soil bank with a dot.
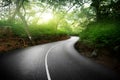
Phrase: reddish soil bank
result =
(12, 43)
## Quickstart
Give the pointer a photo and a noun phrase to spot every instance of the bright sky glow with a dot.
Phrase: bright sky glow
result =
(86, 5)
(47, 16)
(44, 17)
(39, 13)
(41, 16)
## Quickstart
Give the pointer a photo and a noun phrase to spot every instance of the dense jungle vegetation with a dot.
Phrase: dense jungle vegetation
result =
(30, 22)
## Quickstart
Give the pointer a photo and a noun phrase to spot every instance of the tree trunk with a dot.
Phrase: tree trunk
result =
(96, 5)
(98, 15)
(26, 27)
(19, 4)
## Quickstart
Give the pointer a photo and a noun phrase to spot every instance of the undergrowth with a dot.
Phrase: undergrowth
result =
(103, 34)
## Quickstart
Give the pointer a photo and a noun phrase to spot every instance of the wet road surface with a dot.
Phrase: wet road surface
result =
(52, 61)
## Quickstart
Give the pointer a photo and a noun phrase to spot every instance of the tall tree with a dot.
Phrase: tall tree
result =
(19, 4)
(106, 9)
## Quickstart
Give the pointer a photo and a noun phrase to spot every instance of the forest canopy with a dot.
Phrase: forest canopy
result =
(32, 18)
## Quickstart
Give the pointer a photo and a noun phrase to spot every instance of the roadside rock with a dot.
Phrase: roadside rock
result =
(94, 53)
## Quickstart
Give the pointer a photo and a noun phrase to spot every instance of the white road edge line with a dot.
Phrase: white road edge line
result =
(46, 63)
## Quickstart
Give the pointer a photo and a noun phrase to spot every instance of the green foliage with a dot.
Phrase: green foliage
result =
(106, 9)
(36, 31)
(3, 23)
(28, 17)
(18, 30)
(101, 34)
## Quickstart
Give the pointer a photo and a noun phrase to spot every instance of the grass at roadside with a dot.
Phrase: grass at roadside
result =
(101, 34)
(104, 38)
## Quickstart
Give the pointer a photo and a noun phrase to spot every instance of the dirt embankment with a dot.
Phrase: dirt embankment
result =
(12, 43)
(104, 56)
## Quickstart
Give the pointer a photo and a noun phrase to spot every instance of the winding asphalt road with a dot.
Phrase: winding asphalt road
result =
(52, 61)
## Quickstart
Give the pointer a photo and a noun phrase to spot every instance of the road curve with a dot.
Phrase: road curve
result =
(52, 61)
